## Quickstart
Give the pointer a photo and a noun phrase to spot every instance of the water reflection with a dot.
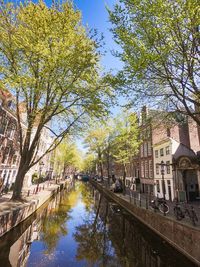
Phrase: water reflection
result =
(134, 244)
(82, 228)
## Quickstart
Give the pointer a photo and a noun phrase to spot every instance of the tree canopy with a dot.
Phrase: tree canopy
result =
(96, 141)
(67, 158)
(51, 65)
(126, 142)
(160, 43)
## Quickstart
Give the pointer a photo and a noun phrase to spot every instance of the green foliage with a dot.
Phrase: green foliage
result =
(96, 141)
(34, 178)
(67, 155)
(126, 142)
(160, 51)
(96, 137)
(51, 65)
(89, 163)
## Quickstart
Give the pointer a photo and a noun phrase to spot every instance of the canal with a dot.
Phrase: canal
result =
(82, 228)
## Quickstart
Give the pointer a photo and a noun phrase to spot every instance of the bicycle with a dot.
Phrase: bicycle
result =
(180, 214)
(159, 204)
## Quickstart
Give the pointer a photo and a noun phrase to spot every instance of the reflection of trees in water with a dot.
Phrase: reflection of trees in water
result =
(86, 195)
(93, 243)
(54, 224)
(15, 245)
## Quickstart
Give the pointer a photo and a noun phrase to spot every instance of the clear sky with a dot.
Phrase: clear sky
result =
(94, 14)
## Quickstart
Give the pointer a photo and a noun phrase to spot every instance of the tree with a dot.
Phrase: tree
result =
(89, 163)
(126, 142)
(160, 43)
(50, 64)
(96, 142)
(67, 158)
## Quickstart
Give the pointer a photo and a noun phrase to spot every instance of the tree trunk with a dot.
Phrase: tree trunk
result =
(108, 168)
(124, 180)
(97, 214)
(23, 169)
(100, 164)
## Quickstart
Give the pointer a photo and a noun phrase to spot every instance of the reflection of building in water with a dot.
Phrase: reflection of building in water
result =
(15, 245)
(20, 250)
(133, 243)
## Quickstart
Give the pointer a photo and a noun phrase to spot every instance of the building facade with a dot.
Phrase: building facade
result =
(9, 142)
(177, 146)
(146, 152)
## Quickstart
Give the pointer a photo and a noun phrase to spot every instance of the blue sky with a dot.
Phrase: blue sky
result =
(95, 15)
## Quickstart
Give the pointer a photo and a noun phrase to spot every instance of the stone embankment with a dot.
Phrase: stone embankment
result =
(12, 213)
(184, 238)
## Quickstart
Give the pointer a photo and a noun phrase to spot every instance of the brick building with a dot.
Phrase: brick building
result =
(9, 145)
(177, 146)
(146, 152)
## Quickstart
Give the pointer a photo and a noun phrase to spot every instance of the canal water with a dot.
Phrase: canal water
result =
(82, 228)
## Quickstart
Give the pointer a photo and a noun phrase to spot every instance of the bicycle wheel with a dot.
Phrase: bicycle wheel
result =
(178, 214)
(164, 208)
(193, 217)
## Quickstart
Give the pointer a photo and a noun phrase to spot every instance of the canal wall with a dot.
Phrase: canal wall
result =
(183, 237)
(14, 214)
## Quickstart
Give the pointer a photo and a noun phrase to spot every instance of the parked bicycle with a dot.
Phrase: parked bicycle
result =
(159, 204)
(181, 212)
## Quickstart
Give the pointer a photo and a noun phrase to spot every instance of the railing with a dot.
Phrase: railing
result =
(185, 212)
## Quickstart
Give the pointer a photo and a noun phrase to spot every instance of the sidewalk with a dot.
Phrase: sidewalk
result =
(29, 194)
(12, 213)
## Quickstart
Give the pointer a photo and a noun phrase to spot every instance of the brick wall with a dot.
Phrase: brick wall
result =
(193, 135)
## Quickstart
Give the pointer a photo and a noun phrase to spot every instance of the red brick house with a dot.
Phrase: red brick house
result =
(146, 152)
(9, 145)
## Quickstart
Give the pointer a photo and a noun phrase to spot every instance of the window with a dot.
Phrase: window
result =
(146, 169)
(145, 149)
(156, 153)
(14, 161)
(10, 130)
(168, 167)
(11, 105)
(14, 173)
(149, 148)
(142, 169)
(167, 150)
(168, 132)
(3, 124)
(150, 169)
(161, 152)
(141, 151)
(5, 155)
(157, 168)
(157, 186)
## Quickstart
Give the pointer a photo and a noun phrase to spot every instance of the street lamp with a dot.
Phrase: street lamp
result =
(162, 167)
(41, 164)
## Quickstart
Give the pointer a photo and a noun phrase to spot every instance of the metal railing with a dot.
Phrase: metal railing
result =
(190, 211)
